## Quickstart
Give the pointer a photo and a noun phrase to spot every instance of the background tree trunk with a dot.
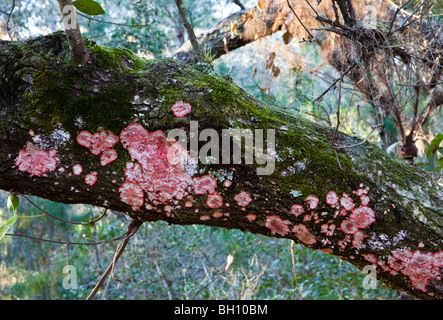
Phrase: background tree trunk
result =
(388, 215)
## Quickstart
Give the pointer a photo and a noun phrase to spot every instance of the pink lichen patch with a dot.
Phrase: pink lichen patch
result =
(84, 139)
(347, 202)
(404, 255)
(438, 259)
(420, 269)
(135, 139)
(108, 156)
(358, 239)
(370, 258)
(303, 234)
(205, 217)
(362, 216)
(227, 183)
(243, 199)
(134, 173)
(251, 217)
(214, 201)
(364, 199)
(312, 201)
(327, 229)
(342, 244)
(91, 178)
(180, 109)
(98, 142)
(383, 265)
(297, 210)
(162, 180)
(77, 169)
(348, 227)
(36, 161)
(131, 194)
(277, 225)
(395, 264)
(331, 198)
(176, 155)
(217, 214)
(205, 184)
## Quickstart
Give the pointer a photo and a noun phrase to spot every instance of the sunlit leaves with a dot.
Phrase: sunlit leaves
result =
(89, 7)
(12, 204)
(434, 146)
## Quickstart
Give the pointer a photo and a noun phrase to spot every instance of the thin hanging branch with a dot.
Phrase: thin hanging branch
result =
(66, 242)
(304, 27)
(79, 53)
(188, 26)
(132, 229)
(60, 219)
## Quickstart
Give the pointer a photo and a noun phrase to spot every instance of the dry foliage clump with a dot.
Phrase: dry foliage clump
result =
(391, 51)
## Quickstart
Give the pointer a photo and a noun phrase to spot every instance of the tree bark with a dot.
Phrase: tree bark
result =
(356, 203)
(220, 39)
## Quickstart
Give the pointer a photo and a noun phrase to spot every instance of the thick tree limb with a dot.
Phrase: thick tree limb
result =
(370, 211)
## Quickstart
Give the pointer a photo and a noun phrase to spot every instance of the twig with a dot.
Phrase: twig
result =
(395, 16)
(309, 4)
(404, 25)
(335, 82)
(338, 113)
(8, 29)
(132, 229)
(293, 11)
(70, 222)
(360, 143)
(188, 26)
(79, 53)
(237, 2)
(66, 242)
(419, 85)
(338, 160)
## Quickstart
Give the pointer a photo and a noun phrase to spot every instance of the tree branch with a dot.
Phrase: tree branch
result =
(370, 209)
(188, 26)
(79, 53)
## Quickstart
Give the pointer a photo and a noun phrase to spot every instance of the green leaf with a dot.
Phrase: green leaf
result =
(89, 7)
(7, 225)
(433, 147)
(392, 147)
(13, 202)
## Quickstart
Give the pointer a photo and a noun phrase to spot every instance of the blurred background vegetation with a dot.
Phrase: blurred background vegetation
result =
(165, 261)
(185, 262)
